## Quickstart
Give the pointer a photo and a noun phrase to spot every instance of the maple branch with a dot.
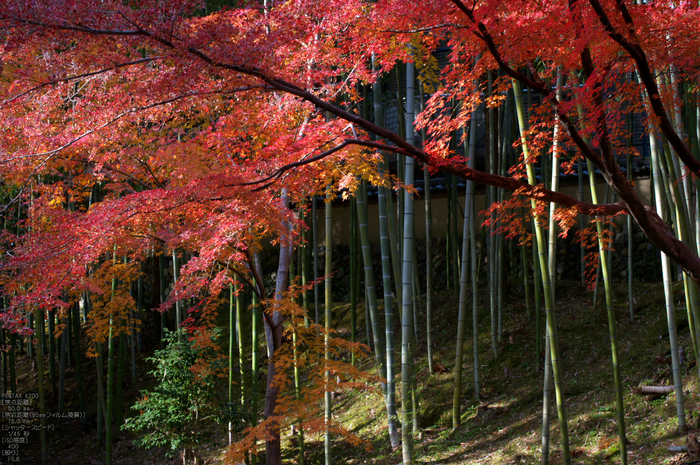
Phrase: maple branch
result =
(159, 183)
(424, 29)
(121, 115)
(51, 153)
(535, 83)
(130, 177)
(637, 53)
(243, 278)
(277, 174)
(89, 30)
(401, 146)
(658, 232)
(79, 76)
(260, 291)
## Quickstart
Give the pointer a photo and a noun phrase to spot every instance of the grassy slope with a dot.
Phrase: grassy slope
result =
(506, 429)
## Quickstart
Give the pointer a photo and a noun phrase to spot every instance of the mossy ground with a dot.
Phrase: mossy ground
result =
(505, 427)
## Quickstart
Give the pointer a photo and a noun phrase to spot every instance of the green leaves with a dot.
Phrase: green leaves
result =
(186, 370)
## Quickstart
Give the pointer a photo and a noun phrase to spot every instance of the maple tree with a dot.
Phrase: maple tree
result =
(168, 124)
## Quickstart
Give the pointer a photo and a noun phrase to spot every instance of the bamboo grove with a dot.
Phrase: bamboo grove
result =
(153, 154)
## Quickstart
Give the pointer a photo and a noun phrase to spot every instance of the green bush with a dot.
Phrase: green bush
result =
(185, 396)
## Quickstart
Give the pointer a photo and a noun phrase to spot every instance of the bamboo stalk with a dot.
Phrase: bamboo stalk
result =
(548, 297)
(462, 310)
(407, 275)
(328, 307)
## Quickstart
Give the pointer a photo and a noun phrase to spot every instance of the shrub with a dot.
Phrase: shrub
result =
(185, 396)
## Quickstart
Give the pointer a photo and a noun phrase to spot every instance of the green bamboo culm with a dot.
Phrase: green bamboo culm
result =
(138, 315)
(400, 174)
(554, 185)
(109, 404)
(371, 293)
(492, 153)
(99, 369)
(668, 290)
(388, 320)
(78, 362)
(448, 237)
(660, 179)
(163, 315)
(428, 269)
(30, 337)
(314, 261)
(552, 242)
(427, 201)
(240, 305)
(582, 249)
(231, 345)
(62, 365)
(548, 297)
(475, 302)
(99, 361)
(52, 354)
(463, 286)
(328, 307)
(630, 237)
(178, 304)
(297, 392)
(132, 342)
(295, 356)
(678, 207)
(254, 361)
(353, 275)
(407, 279)
(454, 243)
(612, 324)
(385, 246)
(305, 265)
(39, 313)
(119, 390)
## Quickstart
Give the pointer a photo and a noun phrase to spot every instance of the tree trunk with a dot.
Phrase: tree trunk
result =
(273, 445)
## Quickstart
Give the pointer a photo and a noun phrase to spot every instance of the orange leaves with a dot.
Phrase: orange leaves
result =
(590, 240)
(110, 300)
(304, 349)
(512, 217)
(566, 218)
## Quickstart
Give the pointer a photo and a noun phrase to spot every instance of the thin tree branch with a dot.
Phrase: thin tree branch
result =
(89, 30)
(277, 174)
(52, 153)
(636, 51)
(261, 287)
(658, 232)
(79, 76)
